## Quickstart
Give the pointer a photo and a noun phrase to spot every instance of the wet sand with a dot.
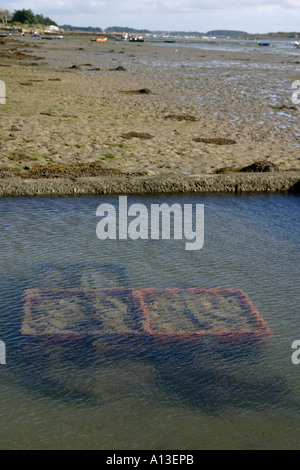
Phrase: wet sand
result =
(166, 117)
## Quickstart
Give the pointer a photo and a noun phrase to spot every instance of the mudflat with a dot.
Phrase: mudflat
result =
(139, 111)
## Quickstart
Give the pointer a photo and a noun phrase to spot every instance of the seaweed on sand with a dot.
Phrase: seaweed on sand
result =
(215, 140)
(137, 135)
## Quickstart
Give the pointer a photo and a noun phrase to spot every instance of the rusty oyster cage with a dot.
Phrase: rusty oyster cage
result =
(226, 315)
(128, 317)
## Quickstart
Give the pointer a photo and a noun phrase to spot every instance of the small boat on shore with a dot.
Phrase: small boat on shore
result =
(99, 39)
(50, 38)
(139, 39)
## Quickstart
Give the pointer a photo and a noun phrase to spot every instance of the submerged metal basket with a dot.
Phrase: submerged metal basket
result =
(194, 313)
(132, 316)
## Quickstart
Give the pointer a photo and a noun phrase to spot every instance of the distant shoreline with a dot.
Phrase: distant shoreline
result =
(70, 30)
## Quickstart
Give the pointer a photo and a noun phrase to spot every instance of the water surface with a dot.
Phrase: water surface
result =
(205, 398)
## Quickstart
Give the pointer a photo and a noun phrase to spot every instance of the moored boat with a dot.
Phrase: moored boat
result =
(52, 37)
(99, 39)
(139, 39)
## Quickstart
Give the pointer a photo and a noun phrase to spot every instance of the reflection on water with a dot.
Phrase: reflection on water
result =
(104, 393)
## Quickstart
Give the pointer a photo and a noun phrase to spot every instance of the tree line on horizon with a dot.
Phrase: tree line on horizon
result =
(24, 16)
(27, 17)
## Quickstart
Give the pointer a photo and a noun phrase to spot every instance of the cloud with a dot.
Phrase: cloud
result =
(170, 14)
(151, 6)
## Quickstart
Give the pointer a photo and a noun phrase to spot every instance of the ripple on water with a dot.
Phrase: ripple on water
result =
(94, 396)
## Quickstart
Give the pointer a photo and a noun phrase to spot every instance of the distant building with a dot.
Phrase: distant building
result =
(52, 29)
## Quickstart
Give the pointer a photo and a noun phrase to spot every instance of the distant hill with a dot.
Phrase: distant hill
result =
(178, 33)
(226, 32)
(90, 29)
(126, 29)
(215, 32)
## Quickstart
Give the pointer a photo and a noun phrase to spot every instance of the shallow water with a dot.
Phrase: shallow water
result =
(238, 45)
(199, 398)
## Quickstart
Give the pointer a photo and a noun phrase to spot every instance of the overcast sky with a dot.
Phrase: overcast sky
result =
(254, 16)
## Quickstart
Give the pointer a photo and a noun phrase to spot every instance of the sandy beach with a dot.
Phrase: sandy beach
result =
(145, 110)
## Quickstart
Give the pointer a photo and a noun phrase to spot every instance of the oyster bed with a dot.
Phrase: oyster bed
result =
(123, 313)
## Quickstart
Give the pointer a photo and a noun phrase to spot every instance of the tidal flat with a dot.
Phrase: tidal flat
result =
(144, 110)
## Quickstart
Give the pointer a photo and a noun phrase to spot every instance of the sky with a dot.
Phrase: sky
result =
(253, 16)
